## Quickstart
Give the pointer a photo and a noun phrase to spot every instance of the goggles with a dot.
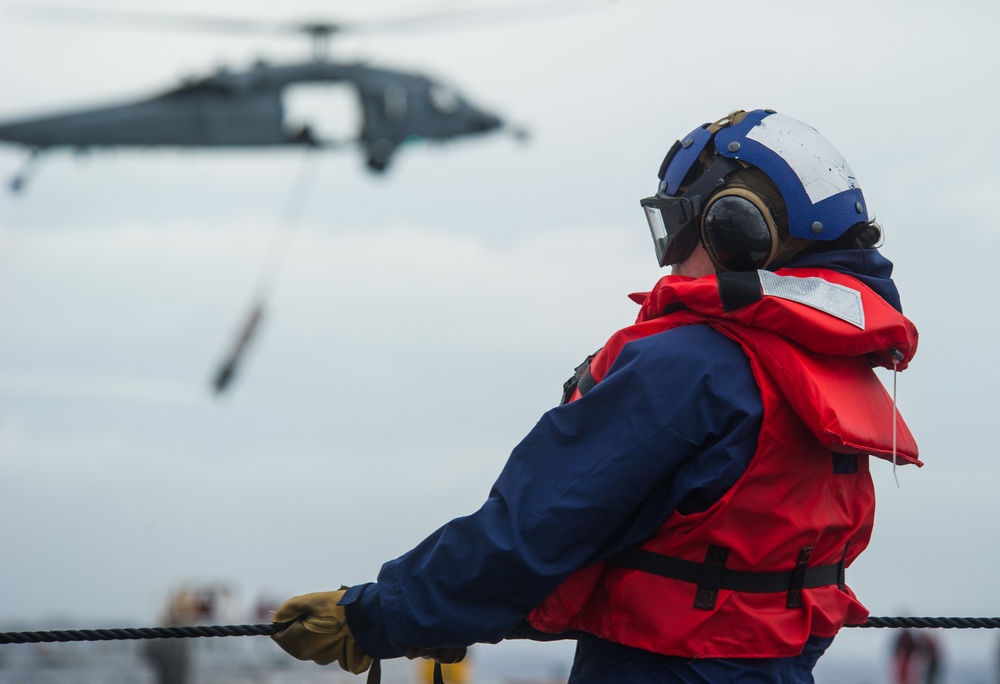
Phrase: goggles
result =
(669, 219)
(673, 220)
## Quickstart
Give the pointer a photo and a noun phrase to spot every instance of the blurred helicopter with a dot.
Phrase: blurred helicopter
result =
(246, 108)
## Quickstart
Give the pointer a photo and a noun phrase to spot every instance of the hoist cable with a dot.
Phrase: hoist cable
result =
(272, 267)
(291, 216)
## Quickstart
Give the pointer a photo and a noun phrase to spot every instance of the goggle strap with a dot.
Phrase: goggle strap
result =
(684, 210)
(717, 173)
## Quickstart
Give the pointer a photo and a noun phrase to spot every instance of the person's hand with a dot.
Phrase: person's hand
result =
(319, 632)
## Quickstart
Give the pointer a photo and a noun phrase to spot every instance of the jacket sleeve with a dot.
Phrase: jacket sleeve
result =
(672, 425)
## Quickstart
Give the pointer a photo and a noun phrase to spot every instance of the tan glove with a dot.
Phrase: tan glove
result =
(320, 632)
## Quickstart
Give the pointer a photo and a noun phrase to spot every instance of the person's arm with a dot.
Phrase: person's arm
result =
(592, 478)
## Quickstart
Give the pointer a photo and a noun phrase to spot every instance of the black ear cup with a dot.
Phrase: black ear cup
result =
(738, 230)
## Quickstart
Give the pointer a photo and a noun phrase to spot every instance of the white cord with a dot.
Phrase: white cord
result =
(895, 413)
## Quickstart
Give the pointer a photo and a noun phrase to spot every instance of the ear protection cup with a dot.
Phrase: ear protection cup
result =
(738, 229)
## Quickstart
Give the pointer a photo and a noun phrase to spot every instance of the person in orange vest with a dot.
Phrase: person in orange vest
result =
(689, 512)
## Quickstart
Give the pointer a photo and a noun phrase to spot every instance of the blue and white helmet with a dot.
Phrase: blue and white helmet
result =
(821, 195)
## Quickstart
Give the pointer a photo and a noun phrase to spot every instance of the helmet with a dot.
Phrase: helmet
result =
(804, 188)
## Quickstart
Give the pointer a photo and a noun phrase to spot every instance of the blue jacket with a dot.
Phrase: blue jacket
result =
(589, 481)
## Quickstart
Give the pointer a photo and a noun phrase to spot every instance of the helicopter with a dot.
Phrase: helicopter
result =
(246, 109)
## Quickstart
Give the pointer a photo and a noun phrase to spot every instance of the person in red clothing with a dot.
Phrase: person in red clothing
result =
(916, 658)
(690, 511)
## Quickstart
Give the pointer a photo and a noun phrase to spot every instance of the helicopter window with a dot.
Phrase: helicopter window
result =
(322, 112)
(395, 97)
(443, 98)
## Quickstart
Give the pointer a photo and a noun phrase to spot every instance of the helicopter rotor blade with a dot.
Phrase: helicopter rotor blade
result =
(115, 18)
(441, 20)
(471, 16)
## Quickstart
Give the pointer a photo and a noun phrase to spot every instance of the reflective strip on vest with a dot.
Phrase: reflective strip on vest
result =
(836, 300)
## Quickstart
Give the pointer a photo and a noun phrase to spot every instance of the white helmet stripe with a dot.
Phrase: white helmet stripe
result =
(820, 168)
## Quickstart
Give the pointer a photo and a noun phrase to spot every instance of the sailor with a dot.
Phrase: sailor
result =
(690, 511)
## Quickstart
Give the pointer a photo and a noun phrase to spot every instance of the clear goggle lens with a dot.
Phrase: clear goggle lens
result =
(670, 223)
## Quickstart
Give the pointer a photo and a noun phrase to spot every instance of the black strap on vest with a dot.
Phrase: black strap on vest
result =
(581, 379)
(842, 577)
(738, 289)
(586, 382)
(799, 578)
(712, 575)
(375, 673)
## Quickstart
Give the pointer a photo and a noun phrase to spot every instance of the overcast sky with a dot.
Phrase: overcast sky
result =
(424, 320)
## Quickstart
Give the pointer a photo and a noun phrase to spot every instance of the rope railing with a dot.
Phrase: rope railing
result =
(129, 633)
(932, 622)
(140, 633)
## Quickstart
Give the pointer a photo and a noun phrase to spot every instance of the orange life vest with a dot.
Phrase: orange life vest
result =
(763, 568)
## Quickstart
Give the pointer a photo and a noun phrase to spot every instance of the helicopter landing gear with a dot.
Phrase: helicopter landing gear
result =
(377, 164)
(20, 179)
(379, 153)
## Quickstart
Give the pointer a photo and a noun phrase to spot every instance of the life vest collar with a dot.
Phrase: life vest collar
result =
(841, 315)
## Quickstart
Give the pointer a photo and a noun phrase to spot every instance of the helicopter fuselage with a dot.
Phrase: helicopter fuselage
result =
(246, 109)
